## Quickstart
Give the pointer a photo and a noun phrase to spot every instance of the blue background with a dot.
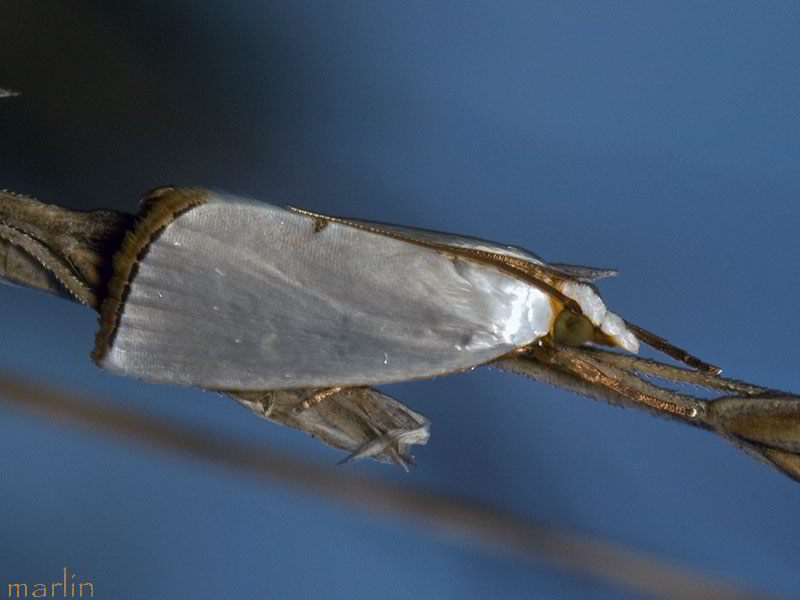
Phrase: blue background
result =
(659, 138)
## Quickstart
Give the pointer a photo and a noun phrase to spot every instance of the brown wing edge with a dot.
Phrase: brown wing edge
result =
(158, 209)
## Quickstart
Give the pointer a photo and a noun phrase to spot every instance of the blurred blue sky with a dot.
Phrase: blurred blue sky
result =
(659, 138)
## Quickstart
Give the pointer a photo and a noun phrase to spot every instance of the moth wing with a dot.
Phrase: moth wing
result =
(234, 294)
(578, 272)
(449, 240)
(584, 274)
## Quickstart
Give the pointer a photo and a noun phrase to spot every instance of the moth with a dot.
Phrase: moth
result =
(297, 315)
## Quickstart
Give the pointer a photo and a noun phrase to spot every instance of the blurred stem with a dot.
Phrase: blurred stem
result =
(457, 518)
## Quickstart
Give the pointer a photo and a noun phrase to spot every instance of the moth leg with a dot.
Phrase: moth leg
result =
(317, 398)
(764, 423)
(644, 366)
(362, 421)
(586, 374)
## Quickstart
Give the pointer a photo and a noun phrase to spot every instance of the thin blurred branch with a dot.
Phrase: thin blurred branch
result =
(456, 518)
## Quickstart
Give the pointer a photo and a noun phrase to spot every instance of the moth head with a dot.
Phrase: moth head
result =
(607, 327)
(572, 329)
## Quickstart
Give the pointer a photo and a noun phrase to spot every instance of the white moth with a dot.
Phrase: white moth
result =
(296, 315)
(216, 291)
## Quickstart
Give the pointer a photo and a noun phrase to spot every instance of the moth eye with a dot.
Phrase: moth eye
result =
(572, 329)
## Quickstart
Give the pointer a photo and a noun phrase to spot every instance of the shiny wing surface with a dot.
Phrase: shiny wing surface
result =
(235, 294)
(580, 273)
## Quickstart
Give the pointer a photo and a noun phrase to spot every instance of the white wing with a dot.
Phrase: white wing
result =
(577, 272)
(452, 240)
(235, 294)
(573, 278)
